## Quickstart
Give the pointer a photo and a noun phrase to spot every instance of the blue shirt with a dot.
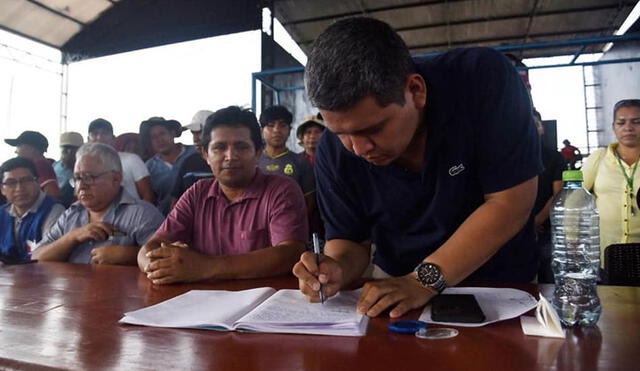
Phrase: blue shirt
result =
(62, 173)
(164, 175)
(480, 139)
(134, 220)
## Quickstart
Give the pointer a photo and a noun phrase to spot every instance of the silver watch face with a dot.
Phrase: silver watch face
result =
(428, 274)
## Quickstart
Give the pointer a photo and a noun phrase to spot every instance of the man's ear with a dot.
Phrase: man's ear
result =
(117, 177)
(417, 87)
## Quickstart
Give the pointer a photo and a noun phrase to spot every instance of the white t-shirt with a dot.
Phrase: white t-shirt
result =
(133, 169)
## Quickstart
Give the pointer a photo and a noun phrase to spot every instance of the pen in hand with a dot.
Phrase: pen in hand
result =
(316, 250)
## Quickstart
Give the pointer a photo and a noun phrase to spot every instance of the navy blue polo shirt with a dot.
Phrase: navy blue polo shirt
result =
(480, 139)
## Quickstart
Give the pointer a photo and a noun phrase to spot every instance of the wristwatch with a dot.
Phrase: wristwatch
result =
(430, 276)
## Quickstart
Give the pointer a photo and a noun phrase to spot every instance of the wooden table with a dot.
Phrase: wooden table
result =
(59, 315)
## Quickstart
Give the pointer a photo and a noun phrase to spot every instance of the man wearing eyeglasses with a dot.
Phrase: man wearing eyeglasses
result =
(28, 213)
(107, 225)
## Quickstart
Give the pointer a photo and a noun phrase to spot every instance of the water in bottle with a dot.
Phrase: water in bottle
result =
(576, 252)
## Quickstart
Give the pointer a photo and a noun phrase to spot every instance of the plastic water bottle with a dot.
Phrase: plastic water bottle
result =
(576, 252)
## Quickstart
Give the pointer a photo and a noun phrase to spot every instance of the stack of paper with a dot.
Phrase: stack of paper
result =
(261, 310)
(545, 323)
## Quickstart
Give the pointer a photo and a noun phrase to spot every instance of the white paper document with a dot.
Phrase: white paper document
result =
(497, 304)
(261, 310)
(546, 322)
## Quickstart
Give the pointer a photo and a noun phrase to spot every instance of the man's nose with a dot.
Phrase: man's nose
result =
(361, 145)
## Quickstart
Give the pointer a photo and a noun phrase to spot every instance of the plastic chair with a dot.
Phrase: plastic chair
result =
(622, 264)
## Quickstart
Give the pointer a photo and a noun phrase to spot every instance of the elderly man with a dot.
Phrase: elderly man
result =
(29, 212)
(32, 145)
(136, 179)
(242, 224)
(107, 225)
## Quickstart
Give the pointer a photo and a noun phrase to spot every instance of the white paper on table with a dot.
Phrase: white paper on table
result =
(497, 304)
(545, 323)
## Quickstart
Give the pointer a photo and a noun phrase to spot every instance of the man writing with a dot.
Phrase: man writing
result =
(242, 224)
(107, 225)
(433, 160)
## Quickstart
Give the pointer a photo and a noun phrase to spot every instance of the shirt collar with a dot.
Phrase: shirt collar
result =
(33, 209)
(253, 190)
(277, 156)
(122, 198)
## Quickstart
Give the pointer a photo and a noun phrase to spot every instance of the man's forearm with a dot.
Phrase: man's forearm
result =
(353, 257)
(57, 250)
(484, 232)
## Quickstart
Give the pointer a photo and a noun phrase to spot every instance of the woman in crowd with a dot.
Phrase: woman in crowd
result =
(611, 174)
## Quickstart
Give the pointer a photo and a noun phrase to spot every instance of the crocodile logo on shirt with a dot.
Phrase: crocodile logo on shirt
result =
(273, 167)
(288, 169)
(455, 170)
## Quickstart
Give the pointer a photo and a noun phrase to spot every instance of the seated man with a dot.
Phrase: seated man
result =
(69, 144)
(135, 177)
(28, 212)
(107, 225)
(242, 224)
(32, 145)
(195, 166)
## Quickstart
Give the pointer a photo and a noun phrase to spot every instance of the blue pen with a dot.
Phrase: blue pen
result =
(316, 250)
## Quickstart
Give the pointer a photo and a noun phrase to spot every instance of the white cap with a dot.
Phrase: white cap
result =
(197, 122)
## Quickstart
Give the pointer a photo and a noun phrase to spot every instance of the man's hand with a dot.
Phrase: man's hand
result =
(176, 262)
(402, 293)
(310, 276)
(96, 231)
(114, 254)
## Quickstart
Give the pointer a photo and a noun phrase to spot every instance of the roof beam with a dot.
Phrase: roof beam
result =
(369, 10)
(56, 12)
(422, 3)
(516, 37)
(499, 18)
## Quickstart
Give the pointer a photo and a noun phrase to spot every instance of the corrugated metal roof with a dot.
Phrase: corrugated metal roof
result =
(89, 28)
(436, 25)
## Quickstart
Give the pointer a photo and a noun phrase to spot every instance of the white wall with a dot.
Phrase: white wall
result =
(173, 81)
(30, 77)
(617, 81)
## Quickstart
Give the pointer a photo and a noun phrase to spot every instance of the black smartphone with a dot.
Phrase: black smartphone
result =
(461, 308)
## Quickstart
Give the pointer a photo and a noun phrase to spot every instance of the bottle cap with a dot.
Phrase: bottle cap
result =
(407, 326)
(572, 176)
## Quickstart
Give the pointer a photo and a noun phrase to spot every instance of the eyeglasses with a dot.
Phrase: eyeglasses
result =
(13, 183)
(87, 178)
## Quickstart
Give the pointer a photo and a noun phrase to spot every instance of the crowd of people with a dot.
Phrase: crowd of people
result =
(435, 162)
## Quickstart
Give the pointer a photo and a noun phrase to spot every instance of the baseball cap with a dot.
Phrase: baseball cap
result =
(171, 125)
(32, 138)
(198, 120)
(71, 138)
(309, 121)
(100, 124)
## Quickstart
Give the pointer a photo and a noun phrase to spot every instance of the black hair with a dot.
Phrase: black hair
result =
(233, 116)
(355, 58)
(625, 103)
(274, 113)
(17, 163)
(100, 123)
